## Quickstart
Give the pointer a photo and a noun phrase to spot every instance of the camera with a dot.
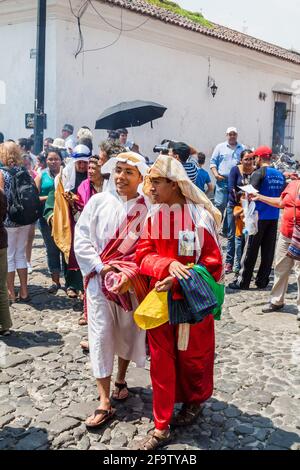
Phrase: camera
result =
(163, 149)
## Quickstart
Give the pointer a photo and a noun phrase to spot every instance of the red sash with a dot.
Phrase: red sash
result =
(119, 253)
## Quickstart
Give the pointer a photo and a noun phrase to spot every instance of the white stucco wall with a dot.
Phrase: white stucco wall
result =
(157, 62)
(17, 70)
(136, 68)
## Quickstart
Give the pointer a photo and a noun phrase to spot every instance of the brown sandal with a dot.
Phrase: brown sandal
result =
(106, 414)
(187, 415)
(153, 441)
(71, 293)
(82, 321)
(118, 391)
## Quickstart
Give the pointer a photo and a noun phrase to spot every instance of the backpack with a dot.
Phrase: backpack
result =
(24, 205)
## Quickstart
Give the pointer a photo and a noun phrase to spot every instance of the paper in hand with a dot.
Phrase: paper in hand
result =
(249, 189)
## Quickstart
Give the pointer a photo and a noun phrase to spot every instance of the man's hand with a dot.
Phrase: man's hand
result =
(179, 270)
(123, 286)
(68, 196)
(220, 178)
(165, 285)
(106, 269)
(254, 197)
(216, 174)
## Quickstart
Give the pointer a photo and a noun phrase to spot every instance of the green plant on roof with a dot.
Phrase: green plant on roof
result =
(175, 8)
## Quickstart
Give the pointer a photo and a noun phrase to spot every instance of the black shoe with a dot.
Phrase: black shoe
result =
(24, 300)
(236, 286)
(78, 306)
(272, 308)
(261, 286)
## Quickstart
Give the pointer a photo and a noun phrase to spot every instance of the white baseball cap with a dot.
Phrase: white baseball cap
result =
(231, 129)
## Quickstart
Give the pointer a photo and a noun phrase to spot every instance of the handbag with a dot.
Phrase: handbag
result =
(294, 247)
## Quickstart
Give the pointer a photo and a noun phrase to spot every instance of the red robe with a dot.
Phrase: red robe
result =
(178, 376)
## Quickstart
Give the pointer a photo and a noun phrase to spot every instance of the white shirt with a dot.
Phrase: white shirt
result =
(70, 142)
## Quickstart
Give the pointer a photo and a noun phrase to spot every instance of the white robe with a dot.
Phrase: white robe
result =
(111, 330)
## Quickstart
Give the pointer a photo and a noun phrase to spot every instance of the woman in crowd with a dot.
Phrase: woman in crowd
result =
(73, 175)
(41, 164)
(45, 185)
(94, 183)
(5, 320)
(11, 157)
(29, 165)
(108, 149)
(239, 176)
(289, 201)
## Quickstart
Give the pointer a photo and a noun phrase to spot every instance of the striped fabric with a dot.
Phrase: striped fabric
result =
(294, 248)
(120, 254)
(191, 170)
(198, 302)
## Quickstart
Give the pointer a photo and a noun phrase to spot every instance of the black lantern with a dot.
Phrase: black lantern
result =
(214, 89)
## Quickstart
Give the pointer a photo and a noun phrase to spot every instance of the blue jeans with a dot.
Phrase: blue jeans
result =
(221, 195)
(221, 200)
(231, 236)
(55, 258)
(239, 248)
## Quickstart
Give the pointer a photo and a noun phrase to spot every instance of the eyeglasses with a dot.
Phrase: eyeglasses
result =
(250, 159)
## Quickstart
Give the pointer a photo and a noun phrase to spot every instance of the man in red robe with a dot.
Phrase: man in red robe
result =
(178, 376)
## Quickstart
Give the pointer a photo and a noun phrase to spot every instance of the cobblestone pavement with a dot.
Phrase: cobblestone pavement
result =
(46, 388)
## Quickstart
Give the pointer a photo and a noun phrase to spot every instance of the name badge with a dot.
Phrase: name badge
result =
(186, 243)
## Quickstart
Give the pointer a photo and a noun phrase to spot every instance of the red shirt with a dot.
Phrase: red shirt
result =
(290, 198)
(154, 254)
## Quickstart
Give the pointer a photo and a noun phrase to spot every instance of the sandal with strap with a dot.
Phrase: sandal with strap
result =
(187, 415)
(106, 416)
(82, 321)
(119, 388)
(153, 441)
(71, 293)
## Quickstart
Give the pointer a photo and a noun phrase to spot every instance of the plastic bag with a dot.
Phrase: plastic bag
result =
(251, 217)
(153, 311)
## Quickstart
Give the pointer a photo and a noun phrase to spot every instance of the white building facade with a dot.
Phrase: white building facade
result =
(141, 57)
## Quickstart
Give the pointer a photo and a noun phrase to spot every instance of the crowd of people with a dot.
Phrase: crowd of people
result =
(131, 237)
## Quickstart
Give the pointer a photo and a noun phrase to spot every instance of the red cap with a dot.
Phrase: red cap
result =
(263, 151)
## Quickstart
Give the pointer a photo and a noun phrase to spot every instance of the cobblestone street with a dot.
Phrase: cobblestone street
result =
(47, 391)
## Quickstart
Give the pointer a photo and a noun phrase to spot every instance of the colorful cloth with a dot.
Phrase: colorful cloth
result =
(198, 301)
(84, 193)
(119, 253)
(218, 289)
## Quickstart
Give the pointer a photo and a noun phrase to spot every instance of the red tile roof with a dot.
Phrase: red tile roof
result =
(215, 31)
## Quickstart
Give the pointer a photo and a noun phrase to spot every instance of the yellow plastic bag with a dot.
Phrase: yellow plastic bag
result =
(153, 311)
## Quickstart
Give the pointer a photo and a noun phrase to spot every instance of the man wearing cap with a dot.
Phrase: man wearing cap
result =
(181, 152)
(225, 156)
(269, 182)
(69, 138)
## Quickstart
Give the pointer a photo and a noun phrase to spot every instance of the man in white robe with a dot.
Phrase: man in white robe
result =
(111, 330)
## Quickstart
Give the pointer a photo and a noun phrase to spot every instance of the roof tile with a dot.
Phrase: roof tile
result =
(215, 31)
